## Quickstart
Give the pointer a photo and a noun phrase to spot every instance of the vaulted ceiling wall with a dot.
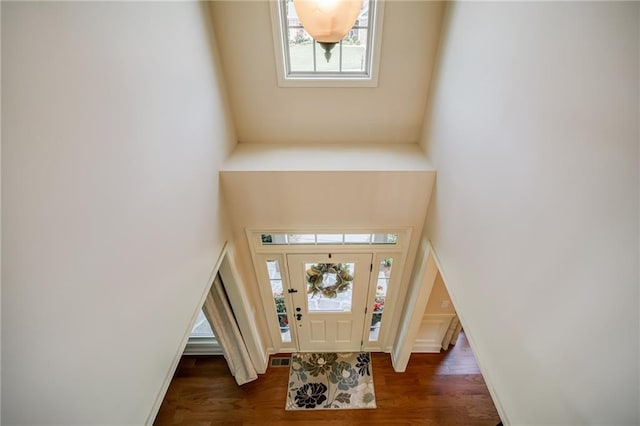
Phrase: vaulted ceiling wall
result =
(393, 112)
(114, 128)
(535, 218)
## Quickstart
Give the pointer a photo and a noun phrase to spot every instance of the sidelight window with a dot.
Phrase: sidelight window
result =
(277, 290)
(382, 286)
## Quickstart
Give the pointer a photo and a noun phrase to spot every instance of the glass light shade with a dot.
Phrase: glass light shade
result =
(327, 21)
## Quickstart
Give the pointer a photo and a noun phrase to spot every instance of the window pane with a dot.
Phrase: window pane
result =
(302, 238)
(385, 238)
(329, 238)
(357, 238)
(268, 239)
(273, 267)
(301, 55)
(384, 273)
(353, 57)
(201, 328)
(331, 65)
(332, 286)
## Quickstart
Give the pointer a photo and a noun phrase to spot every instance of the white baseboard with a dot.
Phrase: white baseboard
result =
(394, 363)
(202, 348)
(433, 329)
(427, 347)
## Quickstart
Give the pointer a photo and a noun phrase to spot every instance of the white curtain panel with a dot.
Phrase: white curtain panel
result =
(220, 315)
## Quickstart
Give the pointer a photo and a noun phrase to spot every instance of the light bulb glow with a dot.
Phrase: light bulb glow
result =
(328, 21)
(326, 5)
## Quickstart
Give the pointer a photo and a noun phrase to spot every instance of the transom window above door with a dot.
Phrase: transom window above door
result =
(336, 239)
(301, 60)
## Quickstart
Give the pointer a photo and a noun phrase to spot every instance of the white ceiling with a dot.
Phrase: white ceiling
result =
(393, 112)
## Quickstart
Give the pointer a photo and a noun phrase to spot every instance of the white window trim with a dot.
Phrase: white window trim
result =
(320, 80)
(203, 346)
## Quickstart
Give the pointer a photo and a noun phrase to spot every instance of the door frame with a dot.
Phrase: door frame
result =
(260, 253)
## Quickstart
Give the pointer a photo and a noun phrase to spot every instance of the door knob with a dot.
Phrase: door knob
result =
(298, 309)
(298, 317)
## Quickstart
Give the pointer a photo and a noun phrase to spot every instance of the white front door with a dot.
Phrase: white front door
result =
(329, 297)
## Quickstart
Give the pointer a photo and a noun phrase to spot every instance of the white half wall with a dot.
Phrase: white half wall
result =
(114, 127)
(533, 130)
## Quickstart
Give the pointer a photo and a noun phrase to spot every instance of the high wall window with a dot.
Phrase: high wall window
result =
(353, 62)
(202, 339)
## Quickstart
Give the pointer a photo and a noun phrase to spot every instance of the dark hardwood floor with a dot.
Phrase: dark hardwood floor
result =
(437, 389)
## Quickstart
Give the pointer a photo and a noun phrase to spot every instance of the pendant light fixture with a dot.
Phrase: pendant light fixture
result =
(327, 21)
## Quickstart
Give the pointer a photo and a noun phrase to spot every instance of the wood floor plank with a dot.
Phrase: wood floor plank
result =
(437, 389)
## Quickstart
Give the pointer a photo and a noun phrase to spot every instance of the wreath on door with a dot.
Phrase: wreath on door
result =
(316, 277)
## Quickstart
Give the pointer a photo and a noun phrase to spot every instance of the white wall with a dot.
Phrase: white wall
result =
(114, 127)
(534, 133)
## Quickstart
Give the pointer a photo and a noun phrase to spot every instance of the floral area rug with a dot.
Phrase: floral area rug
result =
(321, 381)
